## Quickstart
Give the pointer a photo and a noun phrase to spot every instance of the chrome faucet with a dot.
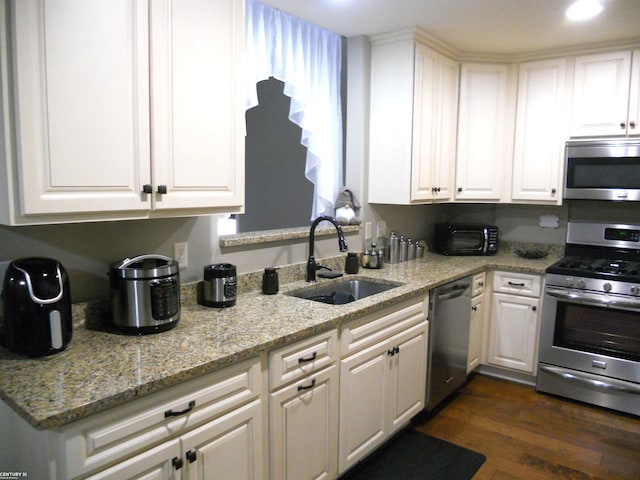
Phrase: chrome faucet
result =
(311, 262)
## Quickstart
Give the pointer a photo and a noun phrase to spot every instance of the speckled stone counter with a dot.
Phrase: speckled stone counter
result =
(100, 369)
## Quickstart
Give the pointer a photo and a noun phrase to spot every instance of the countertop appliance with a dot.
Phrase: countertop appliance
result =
(605, 169)
(145, 294)
(590, 332)
(449, 317)
(220, 285)
(465, 239)
(36, 307)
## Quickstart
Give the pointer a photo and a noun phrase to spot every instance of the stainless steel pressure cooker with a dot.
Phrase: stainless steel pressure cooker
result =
(145, 294)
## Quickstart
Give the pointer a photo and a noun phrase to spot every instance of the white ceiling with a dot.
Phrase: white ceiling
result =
(475, 26)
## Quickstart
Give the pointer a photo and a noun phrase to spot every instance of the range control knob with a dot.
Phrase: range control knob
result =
(568, 281)
(607, 287)
(581, 283)
(635, 290)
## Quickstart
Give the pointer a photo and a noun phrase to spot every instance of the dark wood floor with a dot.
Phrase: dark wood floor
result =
(529, 435)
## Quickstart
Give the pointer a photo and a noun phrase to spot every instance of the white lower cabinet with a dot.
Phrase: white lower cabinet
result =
(303, 414)
(515, 321)
(222, 449)
(211, 427)
(382, 383)
(476, 322)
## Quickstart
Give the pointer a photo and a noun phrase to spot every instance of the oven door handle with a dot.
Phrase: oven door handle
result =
(592, 380)
(594, 299)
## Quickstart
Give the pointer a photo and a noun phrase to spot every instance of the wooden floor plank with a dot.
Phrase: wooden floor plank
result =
(534, 436)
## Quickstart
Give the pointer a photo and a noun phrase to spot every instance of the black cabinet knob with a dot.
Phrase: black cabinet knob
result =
(553, 191)
(162, 189)
(147, 188)
(459, 189)
(623, 125)
(632, 124)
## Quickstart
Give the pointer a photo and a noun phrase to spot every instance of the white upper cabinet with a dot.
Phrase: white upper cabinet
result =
(483, 135)
(605, 97)
(122, 109)
(414, 92)
(541, 130)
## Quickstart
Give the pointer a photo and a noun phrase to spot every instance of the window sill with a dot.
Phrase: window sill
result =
(283, 234)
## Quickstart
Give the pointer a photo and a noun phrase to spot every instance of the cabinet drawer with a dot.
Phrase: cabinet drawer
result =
(517, 283)
(293, 362)
(381, 325)
(479, 281)
(123, 431)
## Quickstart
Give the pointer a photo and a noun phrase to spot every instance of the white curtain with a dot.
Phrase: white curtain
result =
(307, 59)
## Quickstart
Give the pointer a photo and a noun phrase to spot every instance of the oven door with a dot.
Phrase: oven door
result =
(591, 332)
(589, 352)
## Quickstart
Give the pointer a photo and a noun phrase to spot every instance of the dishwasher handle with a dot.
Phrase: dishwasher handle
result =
(454, 291)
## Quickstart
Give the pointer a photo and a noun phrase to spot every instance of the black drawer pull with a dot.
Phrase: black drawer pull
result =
(171, 413)
(302, 387)
(147, 188)
(474, 308)
(191, 456)
(177, 463)
(308, 359)
(514, 284)
(162, 189)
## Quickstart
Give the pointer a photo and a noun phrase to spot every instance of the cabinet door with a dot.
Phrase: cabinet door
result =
(541, 129)
(601, 94)
(82, 105)
(513, 332)
(424, 124)
(363, 380)
(476, 327)
(447, 123)
(482, 133)
(634, 96)
(197, 103)
(304, 428)
(434, 125)
(407, 380)
(228, 447)
(158, 463)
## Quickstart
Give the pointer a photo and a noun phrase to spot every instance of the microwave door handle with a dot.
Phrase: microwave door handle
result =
(485, 234)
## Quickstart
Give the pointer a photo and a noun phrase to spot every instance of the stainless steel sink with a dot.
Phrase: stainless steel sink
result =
(343, 291)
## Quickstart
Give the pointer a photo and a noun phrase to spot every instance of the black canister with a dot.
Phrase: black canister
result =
(270, 284)
(351, 263)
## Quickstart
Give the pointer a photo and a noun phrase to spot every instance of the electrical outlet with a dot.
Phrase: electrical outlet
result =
(381, 229)
(367, 230)
(181, 254)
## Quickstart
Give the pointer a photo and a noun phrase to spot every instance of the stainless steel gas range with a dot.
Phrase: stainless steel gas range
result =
(590, 333)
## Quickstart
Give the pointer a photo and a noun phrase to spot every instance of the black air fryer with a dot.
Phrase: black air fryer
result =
(37, 307)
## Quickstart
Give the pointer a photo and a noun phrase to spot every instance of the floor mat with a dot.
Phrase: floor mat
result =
(417, 456)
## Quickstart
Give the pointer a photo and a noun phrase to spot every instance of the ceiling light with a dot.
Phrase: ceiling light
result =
(583, 10)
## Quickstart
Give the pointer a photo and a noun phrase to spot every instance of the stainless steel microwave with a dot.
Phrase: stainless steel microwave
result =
(607, 169)
(465, 239)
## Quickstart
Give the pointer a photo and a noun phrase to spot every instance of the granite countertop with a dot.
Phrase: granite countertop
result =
(100, 369)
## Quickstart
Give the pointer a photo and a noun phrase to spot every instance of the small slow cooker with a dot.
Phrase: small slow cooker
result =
(145, 294)
(220, 285)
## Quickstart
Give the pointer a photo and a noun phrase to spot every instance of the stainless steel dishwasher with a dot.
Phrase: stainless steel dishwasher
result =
(449, 317)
